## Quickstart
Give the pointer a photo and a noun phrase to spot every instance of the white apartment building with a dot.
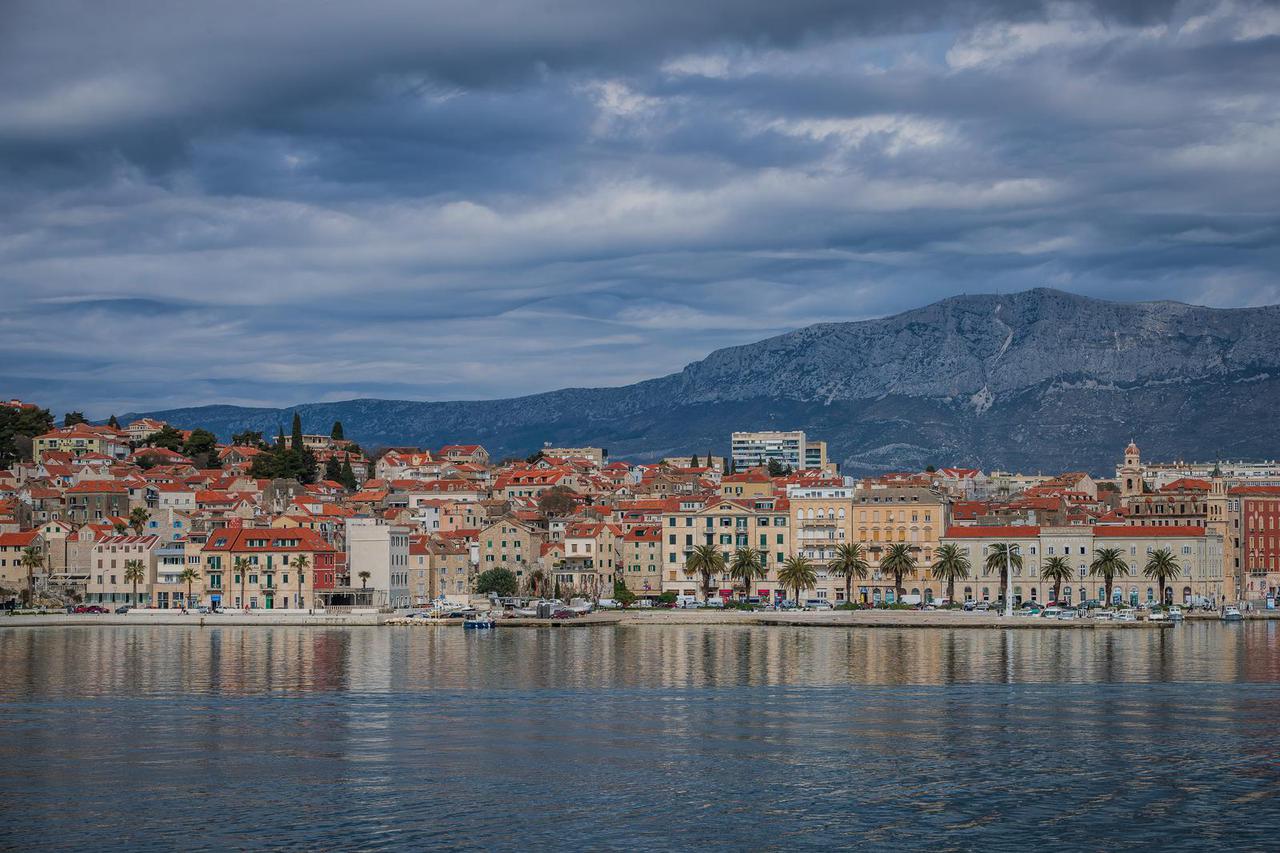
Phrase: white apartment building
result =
(791, 448)
(382, 550)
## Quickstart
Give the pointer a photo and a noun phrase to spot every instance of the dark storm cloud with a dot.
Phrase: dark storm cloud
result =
(271, 203)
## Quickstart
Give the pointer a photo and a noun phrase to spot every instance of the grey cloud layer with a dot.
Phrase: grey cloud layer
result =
(285, 203)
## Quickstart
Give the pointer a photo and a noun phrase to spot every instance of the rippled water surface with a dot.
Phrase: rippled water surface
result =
(640, 737)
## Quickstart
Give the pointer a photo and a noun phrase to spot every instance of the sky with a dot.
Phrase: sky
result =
(276, 203)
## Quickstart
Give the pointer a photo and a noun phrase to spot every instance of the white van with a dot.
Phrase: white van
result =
(685, 602)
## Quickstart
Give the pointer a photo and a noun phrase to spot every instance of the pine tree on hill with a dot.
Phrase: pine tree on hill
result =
(336, 433)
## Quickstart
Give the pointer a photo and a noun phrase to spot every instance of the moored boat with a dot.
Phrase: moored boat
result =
(1232, 614)
(479, 623)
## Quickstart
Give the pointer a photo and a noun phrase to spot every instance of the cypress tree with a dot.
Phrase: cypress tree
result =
(348, 477)
(332, 470)
(336, 433)
(296, 440)
(113, 423)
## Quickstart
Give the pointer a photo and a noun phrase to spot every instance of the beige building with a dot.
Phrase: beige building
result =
(509, 542)
(111, 554)
(641, 560)
(728, 524)
(1198, 552)
(595, 454)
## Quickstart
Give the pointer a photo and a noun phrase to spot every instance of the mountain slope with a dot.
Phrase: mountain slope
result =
(1034, 380)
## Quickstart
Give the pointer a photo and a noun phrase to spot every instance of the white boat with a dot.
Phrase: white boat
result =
(1232, 614)
(1175, 614)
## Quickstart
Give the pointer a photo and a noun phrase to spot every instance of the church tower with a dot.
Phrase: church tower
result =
(1130, 473)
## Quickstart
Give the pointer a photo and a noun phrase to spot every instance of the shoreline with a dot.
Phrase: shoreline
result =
(896, 619)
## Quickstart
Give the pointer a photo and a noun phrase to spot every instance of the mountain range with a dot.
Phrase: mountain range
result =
(1037, 380)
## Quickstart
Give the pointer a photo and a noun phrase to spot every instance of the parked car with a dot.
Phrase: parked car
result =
(124, 608)
(817, 604)
(970, 605)
(1051, 613)
(95, 608)
(713, 601)
(983, 606)
(686, 601)
(1067, 614)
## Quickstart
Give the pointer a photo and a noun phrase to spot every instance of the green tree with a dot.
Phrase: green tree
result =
(134, 573)
(189, 576)
(300, 564)
(1108, 565)
(138, 518)
(623, 595)
(668, 597)
(73, 418)
(17, 427)
(797, 574)
(499, 581)
(1161, 565)
(32, 559)
(295, 439)
(999, 557)
(336, 433)
(950, 565)
(120, 527)
(166, 437)
(850, 562)
(200, 444)
(364, 579)
(706, 562)
(332, 469)
(897, 561)
(693, 461)
(248, 438)
(746, 565)
(775, 468)
(347, 477)
(1057, 571)
(113, 422)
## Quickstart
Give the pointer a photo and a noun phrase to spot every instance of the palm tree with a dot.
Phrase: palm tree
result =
(1059, 571)
(242, 568)
(850, 562)
(705, 561)
(747, 565)
(32, 559)
(897, 561)
(1107, 564)
(1162, 565)
(1000, 557)
(950, 565)
(138, 518)
(189, 576)
(299, 564)
(134, 573)
(797, 573)
(364, 579)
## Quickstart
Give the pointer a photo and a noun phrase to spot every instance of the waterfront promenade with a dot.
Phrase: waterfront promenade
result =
(822, 619)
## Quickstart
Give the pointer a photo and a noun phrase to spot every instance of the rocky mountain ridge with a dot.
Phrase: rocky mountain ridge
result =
(1038, 380)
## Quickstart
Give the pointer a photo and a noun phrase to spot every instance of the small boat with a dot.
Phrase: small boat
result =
(1175, 614)
(479, 623)
(1232, 614)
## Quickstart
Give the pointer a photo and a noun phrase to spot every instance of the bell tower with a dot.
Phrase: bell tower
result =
(1130, 473)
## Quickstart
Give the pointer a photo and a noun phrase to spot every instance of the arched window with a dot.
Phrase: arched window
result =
(842, 513)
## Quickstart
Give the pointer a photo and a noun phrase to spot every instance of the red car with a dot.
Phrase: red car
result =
(90, 608)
